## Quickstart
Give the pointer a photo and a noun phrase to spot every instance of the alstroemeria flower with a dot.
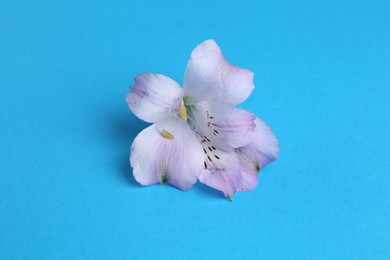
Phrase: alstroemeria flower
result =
(197, 131)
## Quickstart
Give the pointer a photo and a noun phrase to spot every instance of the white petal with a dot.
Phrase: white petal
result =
(154, 97)
(225, 127)
(155, 158)
(262, 151)
(209, 76)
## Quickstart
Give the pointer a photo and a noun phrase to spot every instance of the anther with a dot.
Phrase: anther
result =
(167, 134)
(183, 113)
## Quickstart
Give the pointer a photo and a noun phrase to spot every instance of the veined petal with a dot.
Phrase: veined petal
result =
(154, 97)
(209, 76)
(237, 170)
(262, 151)
(226, 174)
(174, 156)
(221, 125)
(248, 181)
(222, 174)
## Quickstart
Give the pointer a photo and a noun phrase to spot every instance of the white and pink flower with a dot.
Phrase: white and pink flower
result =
(197, 132)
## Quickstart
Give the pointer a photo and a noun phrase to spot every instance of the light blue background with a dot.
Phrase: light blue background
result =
(322, 74)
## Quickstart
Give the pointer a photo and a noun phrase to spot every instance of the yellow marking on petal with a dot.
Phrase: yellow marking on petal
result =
(231, 198)
(183, 113)
(167, 134)
(257, 168)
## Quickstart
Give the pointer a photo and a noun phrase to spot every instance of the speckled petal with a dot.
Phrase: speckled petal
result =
(223, 126)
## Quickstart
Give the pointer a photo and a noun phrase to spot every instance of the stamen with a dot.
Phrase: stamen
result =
(183, 113)
(205, 165)
(216, 157)
(167, 134)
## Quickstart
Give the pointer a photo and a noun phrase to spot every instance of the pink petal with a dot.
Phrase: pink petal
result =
(154, 96)
(223, 175)
(230, 178)
(209, 76)
(262, 151)
(238, 171)
(227, 175)
(225, 181)
(248, 181)
(155, 158)
(223, 126)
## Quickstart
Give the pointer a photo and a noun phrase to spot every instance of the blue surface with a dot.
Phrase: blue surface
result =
(322, 74)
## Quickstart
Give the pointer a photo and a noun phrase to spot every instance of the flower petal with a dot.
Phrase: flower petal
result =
(248, 181)
(227, 175)
(223, 126)
(223, 174)
(154, 97)
(174, 156)
(238, 171)
(209, 76)
(262, 151)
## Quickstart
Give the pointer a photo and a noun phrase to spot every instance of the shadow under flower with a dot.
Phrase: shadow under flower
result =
(121, 129)
(207, 191)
